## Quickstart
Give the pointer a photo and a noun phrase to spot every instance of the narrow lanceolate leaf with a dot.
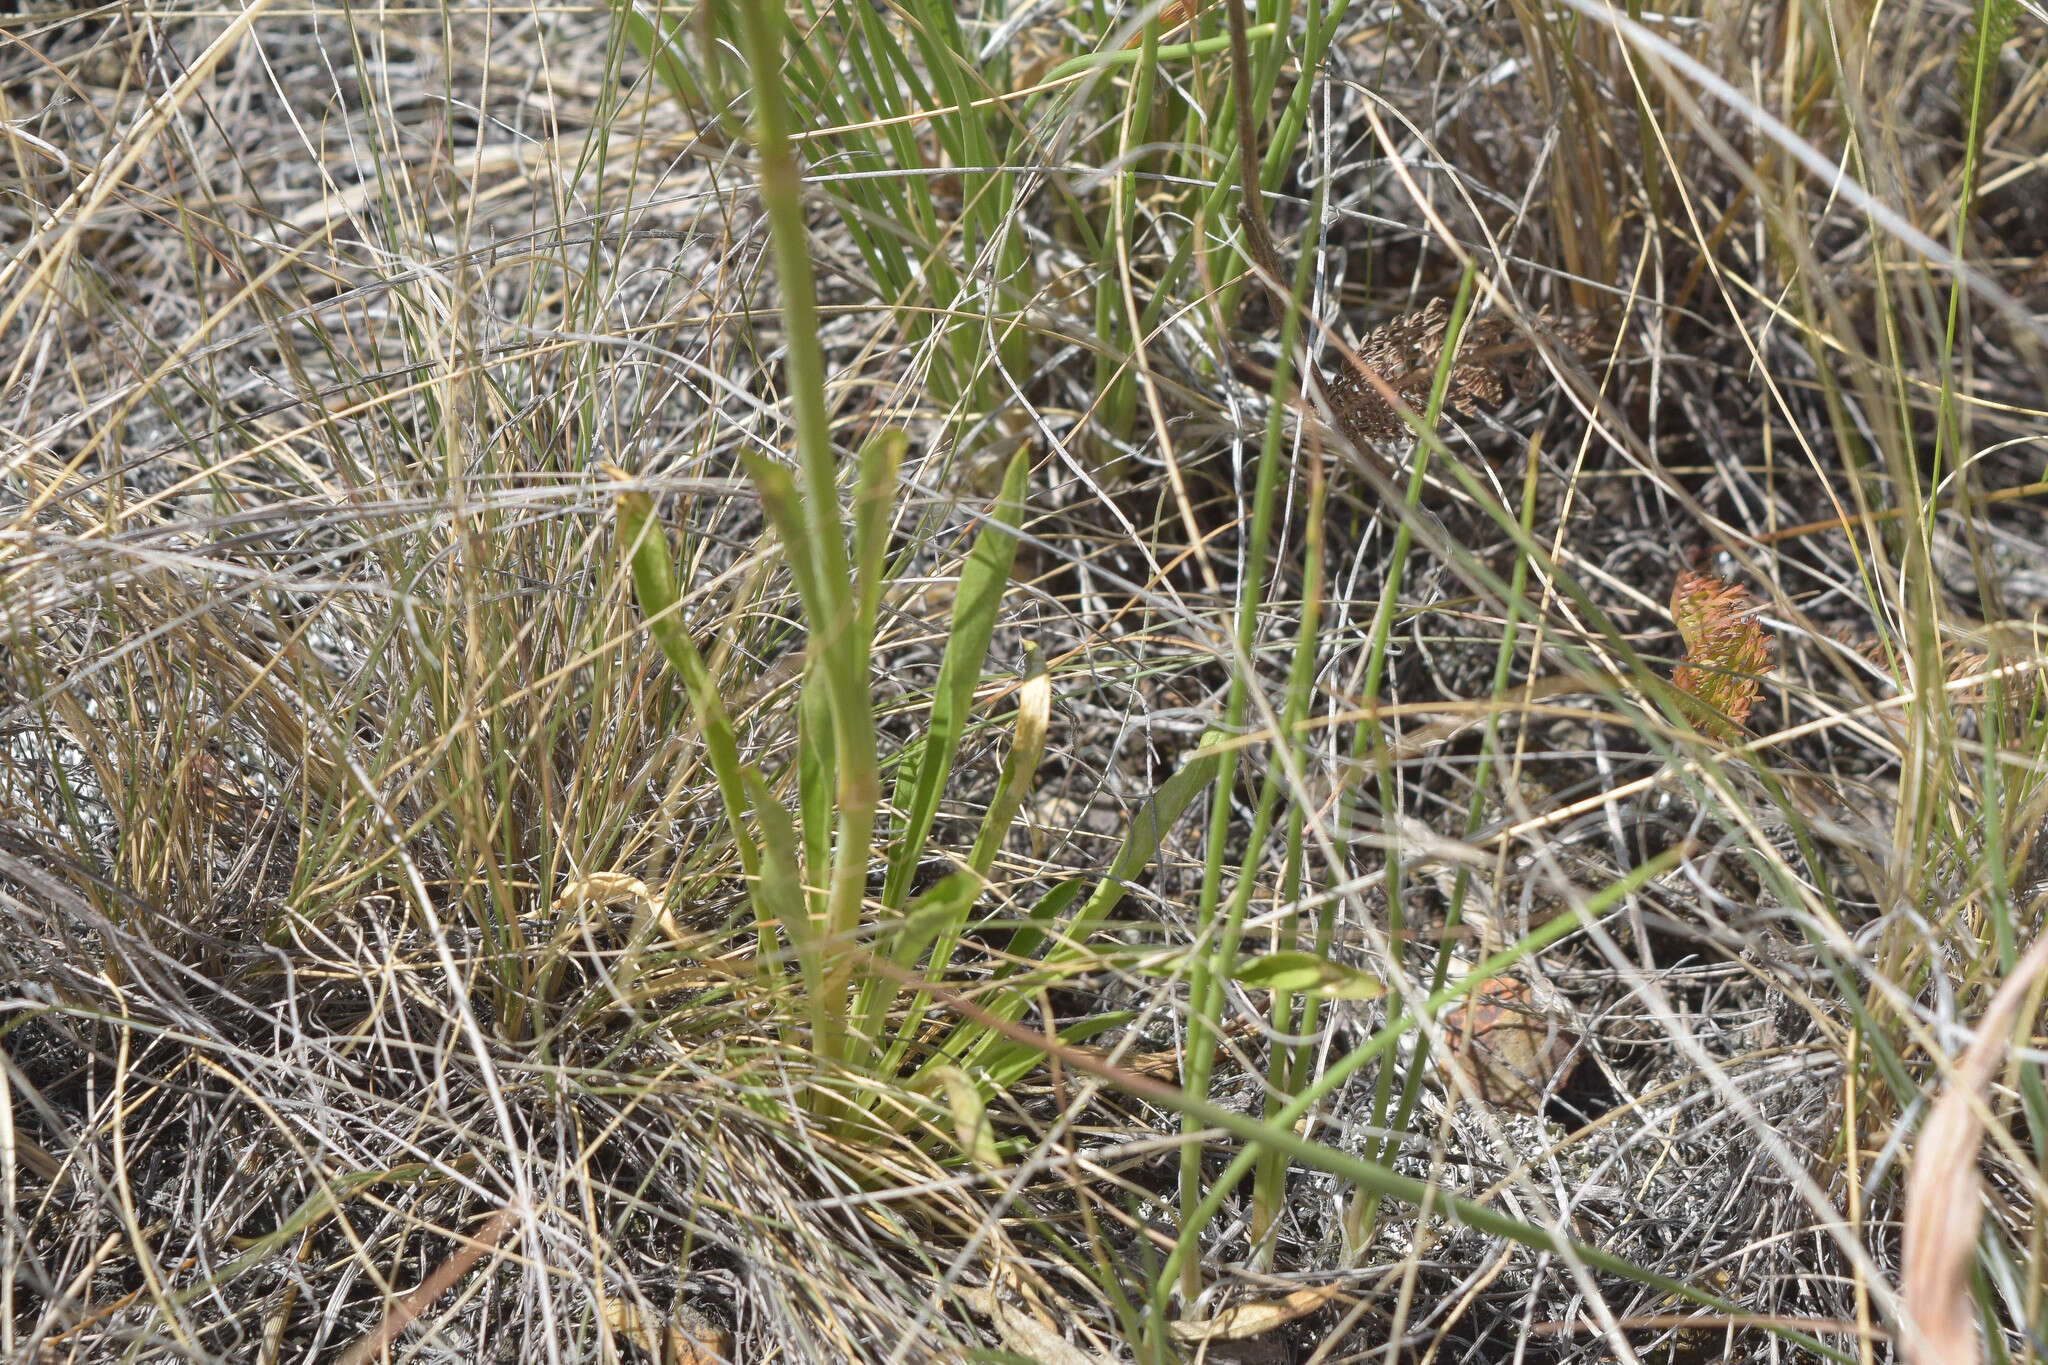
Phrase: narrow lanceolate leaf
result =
(1009, 1062)
(785, 509)
(779, 893)
(1050, 907)
(932, 922)
(983, 579)
(1149, 828)
(645, 546)
(971, 1126)
(936, 917)
(1020, 768)
(873, 499)
(1725, 651)
(1306, 974)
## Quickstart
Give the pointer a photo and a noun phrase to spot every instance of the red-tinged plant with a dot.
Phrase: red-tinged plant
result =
(1725, 650)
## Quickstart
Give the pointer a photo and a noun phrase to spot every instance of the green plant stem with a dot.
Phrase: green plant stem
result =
(1287, 1116)
(1283, 1073)
(1359, 1221)
(1213, 956)
(836, 639)
(1132, 56)
(1279, 1135)
(1322, 28)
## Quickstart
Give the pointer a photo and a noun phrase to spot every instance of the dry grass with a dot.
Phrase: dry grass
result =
(369, 918)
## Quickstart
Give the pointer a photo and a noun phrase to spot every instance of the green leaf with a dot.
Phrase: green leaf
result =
(1020, 766)
(776, 487)
(1306, 974)
(935, 915)
(983, 580)
(1053, 903)
(1148, 830)
(1033, 709)
(779, 890)
(873, 499)
(645, 546)
(1009, 1062)
(939, 909)
(659, 40)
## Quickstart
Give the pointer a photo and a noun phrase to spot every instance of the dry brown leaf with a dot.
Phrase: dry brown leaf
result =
(1160, 1066)
(602, 890)
(1245, 1320)
(1403, 353)
(1943, 1201)
(1029, 1334)
(692, 1339)
(1172, 18)
(1512, 1055)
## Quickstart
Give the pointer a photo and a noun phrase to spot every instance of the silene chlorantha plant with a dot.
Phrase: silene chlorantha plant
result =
(856, 966)
(860, 964)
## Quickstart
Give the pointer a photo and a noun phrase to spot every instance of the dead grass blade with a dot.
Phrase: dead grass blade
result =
(1944, 1205)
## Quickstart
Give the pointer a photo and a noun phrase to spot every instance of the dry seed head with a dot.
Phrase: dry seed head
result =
(1959, 661)
(1403, 353)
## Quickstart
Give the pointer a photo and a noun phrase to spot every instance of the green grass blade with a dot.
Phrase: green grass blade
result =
(658, 39)
(1019, 769)
(1027, 941)
(1007, 1063)
(1149, 828)
(1277, 1133)
(932, 922)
